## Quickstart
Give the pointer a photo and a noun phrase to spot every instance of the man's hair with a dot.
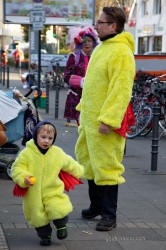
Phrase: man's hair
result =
(115, 15)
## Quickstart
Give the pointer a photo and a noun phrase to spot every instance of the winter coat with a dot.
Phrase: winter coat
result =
(106, 94)
(73, 95)
(46, 200)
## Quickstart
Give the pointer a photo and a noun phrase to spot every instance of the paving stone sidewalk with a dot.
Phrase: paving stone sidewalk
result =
(141, 207)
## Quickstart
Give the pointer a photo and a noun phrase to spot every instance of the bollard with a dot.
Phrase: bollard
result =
(3, 75)
(125, 149)
(57, 87)
(8, 70)
(155, 136)
(47, 95)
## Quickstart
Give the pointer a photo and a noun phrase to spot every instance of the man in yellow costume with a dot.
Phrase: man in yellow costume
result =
(106, 95)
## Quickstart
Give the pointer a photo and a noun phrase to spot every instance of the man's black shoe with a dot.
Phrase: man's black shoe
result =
(106, 224)
(45, 241)
(62, 233)
(89, 214)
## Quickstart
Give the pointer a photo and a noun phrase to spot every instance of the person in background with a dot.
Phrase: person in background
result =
(4, 56)
(105, 99)
(45, 200)
(18, 57)
(85, 42)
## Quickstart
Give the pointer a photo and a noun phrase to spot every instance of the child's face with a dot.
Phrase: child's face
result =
(44, 139)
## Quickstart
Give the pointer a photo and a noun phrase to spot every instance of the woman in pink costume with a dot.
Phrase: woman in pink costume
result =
(77, 64)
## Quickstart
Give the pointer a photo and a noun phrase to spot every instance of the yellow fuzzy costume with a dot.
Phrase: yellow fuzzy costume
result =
(106, 94)
(46, 200)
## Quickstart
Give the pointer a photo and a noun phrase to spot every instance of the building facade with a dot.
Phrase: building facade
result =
(8, 32)
(148, 20)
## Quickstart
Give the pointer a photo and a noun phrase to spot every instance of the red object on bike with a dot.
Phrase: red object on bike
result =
(128, 120)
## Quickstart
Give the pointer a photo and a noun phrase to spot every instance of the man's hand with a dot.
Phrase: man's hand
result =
(104, 129)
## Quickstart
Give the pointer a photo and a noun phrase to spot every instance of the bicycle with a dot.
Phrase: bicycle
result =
(52, 72)
(157, 94)
(143, 104)
(58, 74)
(143, 115)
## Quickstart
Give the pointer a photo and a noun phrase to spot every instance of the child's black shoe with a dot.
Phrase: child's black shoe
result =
(45, 241)
(61, 233)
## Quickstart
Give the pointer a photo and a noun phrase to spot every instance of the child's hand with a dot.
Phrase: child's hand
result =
(30, 180)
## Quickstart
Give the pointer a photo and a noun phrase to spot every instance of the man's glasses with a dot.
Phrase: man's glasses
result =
(101, 22)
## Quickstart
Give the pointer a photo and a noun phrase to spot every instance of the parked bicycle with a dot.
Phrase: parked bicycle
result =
(153, 91)
(53, 73)
(58, 74)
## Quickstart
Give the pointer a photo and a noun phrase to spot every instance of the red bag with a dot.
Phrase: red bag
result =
(75, 81)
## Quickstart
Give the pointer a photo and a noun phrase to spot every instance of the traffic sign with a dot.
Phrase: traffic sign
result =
(37, 26)
(37, 16)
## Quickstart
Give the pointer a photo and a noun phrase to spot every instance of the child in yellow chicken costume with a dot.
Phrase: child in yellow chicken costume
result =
(45, 201)
(106, 95)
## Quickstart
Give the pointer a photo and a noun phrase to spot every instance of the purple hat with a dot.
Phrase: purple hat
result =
(80, 38)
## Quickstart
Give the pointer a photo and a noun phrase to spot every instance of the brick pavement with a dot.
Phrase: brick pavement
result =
(141, 207)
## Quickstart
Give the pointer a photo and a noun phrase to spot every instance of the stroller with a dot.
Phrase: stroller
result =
(19, 115)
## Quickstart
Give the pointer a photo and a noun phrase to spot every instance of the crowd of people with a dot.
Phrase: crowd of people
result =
(100, 79)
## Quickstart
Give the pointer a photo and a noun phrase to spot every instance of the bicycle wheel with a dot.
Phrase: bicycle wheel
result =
(162, 124)
(143, 118)
(162, 127)
(147, 130)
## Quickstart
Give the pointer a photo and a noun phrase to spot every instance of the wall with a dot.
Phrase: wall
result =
(8, 32)
(151, 25)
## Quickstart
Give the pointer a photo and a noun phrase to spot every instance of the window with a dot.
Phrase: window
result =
(157, 45)
(157, 7)
(143, 45)
(144, 8)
